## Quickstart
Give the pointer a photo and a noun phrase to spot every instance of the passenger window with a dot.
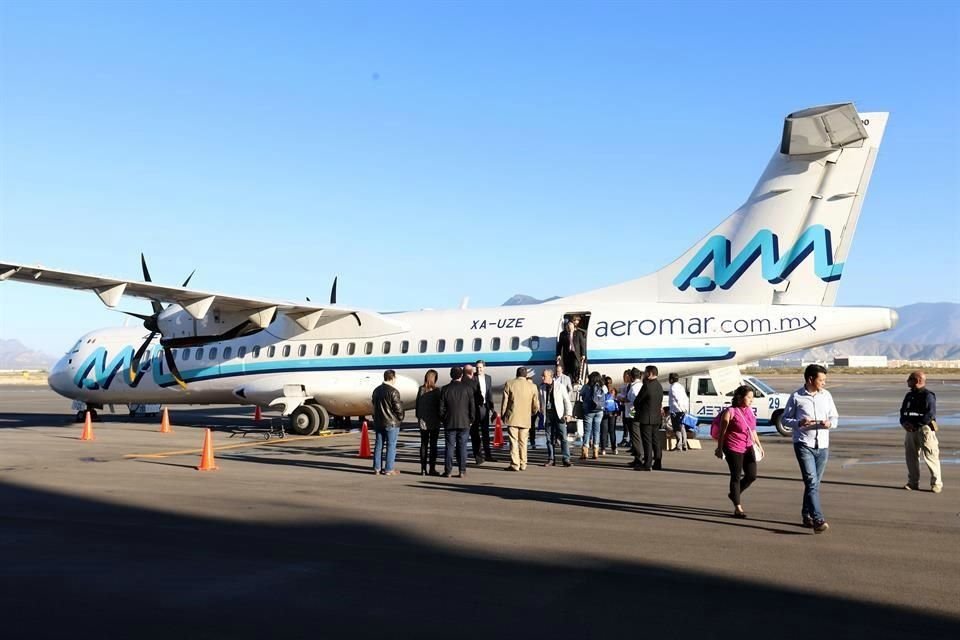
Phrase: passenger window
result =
(186, 354)
(422, 347)
(458, 345)
(351, 348)
(535, 343)
(318, 350)
(271, 351)
(199, 354)
(386, 347)
(514, 344)
(367, 348)
(227, 352)
(404, 346)
(705, 387)
(477, 344)
(213, 353)
(495, 344)
(256, 351)
(335, 348)
(302, 350)
(441, 345)
(285, 351)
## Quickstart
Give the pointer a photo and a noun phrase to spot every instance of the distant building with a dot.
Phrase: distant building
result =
(860, 361)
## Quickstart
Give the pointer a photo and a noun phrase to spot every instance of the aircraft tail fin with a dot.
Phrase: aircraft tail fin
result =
(788, 243)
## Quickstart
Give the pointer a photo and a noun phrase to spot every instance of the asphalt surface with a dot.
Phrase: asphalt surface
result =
(122, 537)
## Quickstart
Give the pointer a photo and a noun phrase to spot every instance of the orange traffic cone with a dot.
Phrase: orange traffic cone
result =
(165, 422)
(498, 433)
(256, 414)
(365, 442)
(206, 458)
(87, 433)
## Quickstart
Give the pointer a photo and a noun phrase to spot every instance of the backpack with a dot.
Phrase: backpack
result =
(592, 399)
(716, 425)
(610, 403)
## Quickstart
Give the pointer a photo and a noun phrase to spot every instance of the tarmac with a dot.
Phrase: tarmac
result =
(122, 537)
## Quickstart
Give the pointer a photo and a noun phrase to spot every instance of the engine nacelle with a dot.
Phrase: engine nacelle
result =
(203, 322)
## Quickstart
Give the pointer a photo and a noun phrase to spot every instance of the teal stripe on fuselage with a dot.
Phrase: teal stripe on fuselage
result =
(436, 360)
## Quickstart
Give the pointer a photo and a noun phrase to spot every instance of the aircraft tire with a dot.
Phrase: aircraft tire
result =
(324, 422)
(777, 421)
(304, 420)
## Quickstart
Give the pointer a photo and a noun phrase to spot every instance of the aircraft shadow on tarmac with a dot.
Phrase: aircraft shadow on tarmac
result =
(83, 568)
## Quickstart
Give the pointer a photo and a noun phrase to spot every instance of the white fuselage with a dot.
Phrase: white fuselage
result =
(340, 372)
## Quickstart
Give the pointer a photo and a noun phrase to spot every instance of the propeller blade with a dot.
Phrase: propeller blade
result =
(146, 272)
(135, 363)
(137, 315)
(333, 291)
(187, 281)
(157, 307)
(172, 367)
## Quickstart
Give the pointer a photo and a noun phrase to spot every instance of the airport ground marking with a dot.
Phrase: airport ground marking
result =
(239, 445)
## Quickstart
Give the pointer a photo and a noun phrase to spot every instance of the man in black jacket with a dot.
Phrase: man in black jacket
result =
(457, 413)
(571, 350)
(387, 416)
(647, 418)
(480, 431)
(918, 417)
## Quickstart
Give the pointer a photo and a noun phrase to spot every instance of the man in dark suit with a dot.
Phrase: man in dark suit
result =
(457, 413)
(470, 379)
(647, 418)
(480, 431)
(571, 350)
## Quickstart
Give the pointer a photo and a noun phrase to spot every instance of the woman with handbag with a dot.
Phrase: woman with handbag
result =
(428, 417)
(739, 444)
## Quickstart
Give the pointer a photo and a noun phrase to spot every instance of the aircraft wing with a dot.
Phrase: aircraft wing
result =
(197, 303)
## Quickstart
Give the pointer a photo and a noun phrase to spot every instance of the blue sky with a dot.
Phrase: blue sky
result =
(430, 151)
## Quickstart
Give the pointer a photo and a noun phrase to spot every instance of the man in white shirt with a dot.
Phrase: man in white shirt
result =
(811, 413)
(678, 407)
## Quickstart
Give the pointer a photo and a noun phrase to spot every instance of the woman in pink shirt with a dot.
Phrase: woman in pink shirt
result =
(738, 444)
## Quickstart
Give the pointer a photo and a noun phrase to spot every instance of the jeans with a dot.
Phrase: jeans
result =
(557, 430)
(608, 431)
(813, 462)
(388, 437)
(456, 439)
(591, 428)
(743, 471)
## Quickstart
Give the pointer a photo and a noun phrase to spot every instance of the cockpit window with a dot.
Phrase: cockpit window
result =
(75, 348)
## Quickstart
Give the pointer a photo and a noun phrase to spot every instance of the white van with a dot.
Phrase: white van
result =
(706, 403)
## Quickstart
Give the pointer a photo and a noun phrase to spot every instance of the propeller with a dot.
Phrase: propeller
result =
(151, 323)
(333, 291)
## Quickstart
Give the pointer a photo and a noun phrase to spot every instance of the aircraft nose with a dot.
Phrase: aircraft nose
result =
(59, 378)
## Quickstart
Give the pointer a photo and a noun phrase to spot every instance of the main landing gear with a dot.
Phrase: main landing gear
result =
(307, 419)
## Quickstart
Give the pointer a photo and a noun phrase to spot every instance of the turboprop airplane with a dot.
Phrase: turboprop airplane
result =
(762, 283)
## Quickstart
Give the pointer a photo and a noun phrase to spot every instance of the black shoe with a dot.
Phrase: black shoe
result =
(644, 468)
(567, 463)
(434, 472)
(740, 514)
(480, 461)
(445, 474)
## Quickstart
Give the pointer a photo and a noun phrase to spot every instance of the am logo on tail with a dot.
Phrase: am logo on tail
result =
(762, 283)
